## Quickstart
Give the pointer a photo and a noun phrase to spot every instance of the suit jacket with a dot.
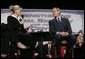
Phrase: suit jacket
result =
(14, 24)
(15, 28)
(65, 26)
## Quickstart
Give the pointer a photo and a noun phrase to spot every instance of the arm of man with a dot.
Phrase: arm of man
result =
(51, 27)
(69, 30)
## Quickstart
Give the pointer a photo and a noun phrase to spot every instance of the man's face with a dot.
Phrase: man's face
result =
(55, 12)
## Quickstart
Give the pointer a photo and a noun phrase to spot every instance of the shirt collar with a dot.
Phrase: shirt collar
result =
(16, 17)
(59, 17)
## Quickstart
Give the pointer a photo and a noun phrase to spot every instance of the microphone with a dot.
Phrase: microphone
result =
(22, 16)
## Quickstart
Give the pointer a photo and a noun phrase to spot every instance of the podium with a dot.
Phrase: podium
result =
(40, 37)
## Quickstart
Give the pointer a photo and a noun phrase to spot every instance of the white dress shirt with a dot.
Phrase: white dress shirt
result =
(58, 18)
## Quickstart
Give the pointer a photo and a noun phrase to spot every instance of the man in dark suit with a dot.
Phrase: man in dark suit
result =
(60, 27)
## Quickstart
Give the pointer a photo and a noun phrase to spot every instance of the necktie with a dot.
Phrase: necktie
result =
(59, 23)
(58, 20)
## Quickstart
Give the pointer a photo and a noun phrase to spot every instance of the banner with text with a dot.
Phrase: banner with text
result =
(39, 19)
